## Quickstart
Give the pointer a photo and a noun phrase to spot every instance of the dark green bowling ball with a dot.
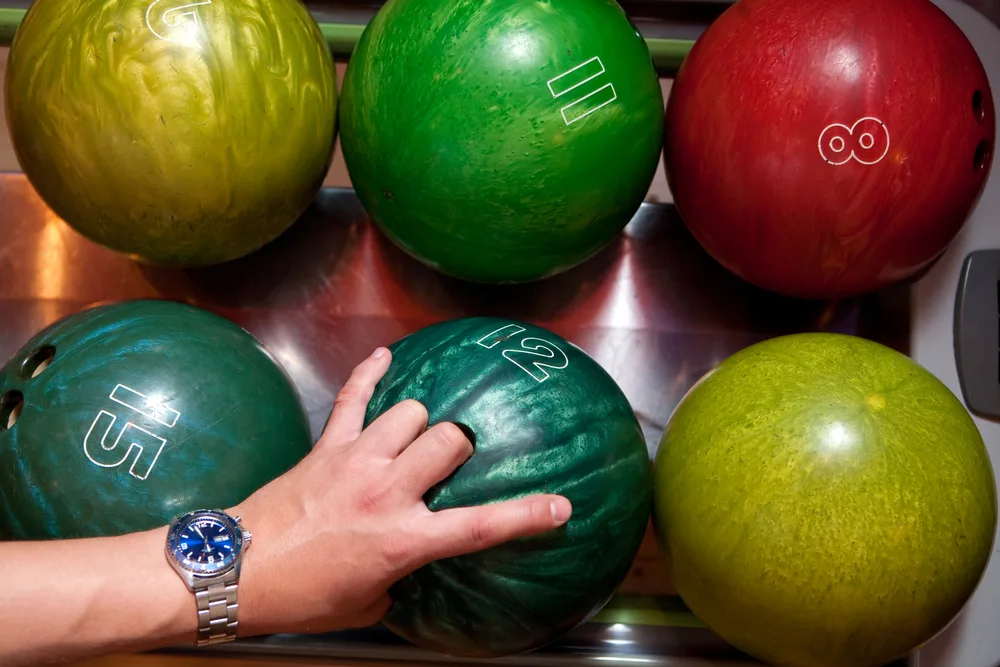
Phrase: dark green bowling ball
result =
(178, 132)
(546, 419)
(135, 412)
(501, 141)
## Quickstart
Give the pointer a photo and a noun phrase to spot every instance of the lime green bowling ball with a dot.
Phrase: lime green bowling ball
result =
(501, 141)
(119, 417)
(824, 501)
(177, 132)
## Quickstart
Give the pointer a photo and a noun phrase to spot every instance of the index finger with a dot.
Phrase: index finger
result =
(348, 416)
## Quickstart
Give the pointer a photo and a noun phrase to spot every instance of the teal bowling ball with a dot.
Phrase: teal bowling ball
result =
(118, 417)
(546, 418)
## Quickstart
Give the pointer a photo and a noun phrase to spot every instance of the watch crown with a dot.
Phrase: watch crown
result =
(238, 519)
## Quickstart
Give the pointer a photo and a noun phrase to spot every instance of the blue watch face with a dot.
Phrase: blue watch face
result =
(205, 543)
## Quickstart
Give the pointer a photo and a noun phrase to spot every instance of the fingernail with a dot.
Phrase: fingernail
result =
(379, 353)
(561, 510)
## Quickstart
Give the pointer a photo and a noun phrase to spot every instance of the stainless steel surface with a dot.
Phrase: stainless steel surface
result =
(217, 613)
(617, 645)
(652, 308)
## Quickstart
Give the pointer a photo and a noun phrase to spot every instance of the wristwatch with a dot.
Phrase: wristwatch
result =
(206, 548)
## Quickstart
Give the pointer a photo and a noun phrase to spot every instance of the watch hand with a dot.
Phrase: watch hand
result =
(199, 533)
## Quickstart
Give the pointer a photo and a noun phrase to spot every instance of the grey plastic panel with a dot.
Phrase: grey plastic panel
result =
(977, 332)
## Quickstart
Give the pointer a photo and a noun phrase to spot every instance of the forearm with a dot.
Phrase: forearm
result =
(68, 600)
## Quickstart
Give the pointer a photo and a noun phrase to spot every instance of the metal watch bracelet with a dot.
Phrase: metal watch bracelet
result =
(217, 609)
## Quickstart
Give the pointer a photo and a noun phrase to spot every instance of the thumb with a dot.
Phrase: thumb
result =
(464, 530)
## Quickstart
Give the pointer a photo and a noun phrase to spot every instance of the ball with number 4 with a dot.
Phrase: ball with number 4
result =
(501, 141)
(545, 418)
(828, 149)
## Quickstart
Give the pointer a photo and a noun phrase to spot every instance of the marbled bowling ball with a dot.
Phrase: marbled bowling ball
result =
(117, 418)
(177, 132)
(546, 418)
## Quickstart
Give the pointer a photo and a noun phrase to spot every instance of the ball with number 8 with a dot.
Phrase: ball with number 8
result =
(825, 150)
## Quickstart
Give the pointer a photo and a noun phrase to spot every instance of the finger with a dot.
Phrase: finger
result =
(394, 430)
(467, 529)
(348, 416)
(432, 457)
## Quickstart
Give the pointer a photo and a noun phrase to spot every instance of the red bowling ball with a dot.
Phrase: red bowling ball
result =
(826, 149)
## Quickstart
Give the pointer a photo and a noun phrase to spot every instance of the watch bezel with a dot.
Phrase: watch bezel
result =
(204, 570)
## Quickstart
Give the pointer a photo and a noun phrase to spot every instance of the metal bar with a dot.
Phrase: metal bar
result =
(667, 54)
(341, 37)
(9, 20)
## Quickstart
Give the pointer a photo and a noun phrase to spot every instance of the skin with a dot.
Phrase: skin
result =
(330, 537)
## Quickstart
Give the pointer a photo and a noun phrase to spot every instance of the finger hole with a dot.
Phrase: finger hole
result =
(435, 491)
(982, 156)
(11, 404)
(37, 362)
(468, 433)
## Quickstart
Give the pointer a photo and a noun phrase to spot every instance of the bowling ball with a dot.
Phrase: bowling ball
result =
(822, 501)
(505, 141)
(134, 412)
(178, 133)
(545, 418)
(828, 149)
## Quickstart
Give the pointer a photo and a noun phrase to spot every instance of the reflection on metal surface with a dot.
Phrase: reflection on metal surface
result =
(50, 257)
(659, 647)
(652, 308)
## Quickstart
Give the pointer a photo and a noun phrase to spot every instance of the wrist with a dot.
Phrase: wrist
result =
(120, 595)
(179, 623)
(253, 578)
(171, 620)
(206, 548)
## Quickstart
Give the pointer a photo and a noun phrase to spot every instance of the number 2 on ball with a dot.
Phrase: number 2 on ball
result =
(554, 358)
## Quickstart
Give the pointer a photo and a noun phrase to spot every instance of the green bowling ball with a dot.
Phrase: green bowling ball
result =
(546, 418)
(177, 132)
(119, 417)
(501, 141)
(822, 501)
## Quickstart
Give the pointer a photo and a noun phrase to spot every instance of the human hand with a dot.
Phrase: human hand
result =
(335, 532)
